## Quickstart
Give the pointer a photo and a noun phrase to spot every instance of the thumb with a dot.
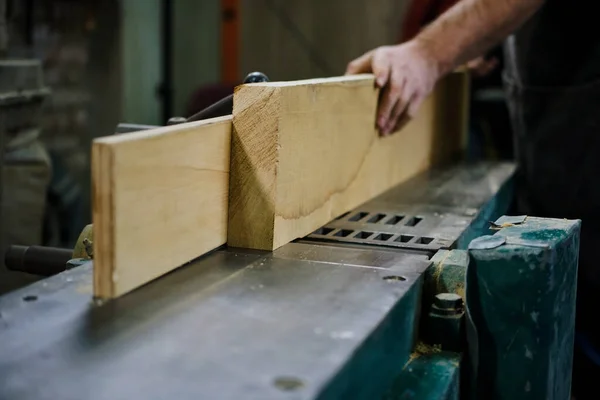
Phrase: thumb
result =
(360, 65)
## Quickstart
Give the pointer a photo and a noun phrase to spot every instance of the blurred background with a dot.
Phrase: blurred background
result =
(71, 70)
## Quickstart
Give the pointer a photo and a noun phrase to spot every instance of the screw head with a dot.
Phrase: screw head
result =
(255, 77)
(448, 301)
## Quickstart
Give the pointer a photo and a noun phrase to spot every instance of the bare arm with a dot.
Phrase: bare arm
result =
(471, 27)
(408, 72)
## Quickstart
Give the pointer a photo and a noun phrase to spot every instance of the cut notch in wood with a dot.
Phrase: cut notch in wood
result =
(305, 152)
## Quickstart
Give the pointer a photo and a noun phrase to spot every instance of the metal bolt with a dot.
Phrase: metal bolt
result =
(449, 301)
(176, 120)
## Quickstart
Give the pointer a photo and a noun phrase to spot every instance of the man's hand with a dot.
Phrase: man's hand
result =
(407, 75)
(408, 72)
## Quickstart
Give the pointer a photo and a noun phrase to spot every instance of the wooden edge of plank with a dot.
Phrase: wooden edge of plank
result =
(102, 216)
(159, 131)
(335, 80)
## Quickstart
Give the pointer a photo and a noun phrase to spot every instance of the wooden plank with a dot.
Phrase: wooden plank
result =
(159, 201)
(305, 152)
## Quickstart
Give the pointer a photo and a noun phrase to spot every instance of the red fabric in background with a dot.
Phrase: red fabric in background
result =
(422, 12)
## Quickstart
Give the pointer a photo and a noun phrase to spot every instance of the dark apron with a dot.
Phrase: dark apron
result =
(557, 148)
(552, 82)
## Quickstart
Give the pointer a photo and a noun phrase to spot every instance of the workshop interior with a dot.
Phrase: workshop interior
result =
(431, 289)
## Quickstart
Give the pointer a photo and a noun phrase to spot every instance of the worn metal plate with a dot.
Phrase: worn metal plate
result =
(429, 212)
(289, 324)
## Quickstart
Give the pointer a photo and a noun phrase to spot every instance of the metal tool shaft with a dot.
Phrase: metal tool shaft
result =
(37, 260)
(218, 109)
(221, 107)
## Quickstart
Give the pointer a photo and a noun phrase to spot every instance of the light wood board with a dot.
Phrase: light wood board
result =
(159, 201)
(305, 152)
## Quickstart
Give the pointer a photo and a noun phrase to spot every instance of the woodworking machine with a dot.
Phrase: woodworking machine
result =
(413, 295)
(427, 291)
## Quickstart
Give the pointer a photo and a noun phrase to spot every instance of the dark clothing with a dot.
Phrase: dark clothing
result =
(558, 46)
(552, 80)
(421, 13)
(553, 90)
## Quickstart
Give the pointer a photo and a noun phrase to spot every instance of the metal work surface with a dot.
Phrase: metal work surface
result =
(429, 212)
(313, 319)
(231, 325)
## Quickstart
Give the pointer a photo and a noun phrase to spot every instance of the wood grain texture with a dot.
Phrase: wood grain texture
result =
(159, 201)
(304, 152)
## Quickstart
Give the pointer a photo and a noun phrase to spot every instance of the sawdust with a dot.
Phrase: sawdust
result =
(460, 290)
(422, 349)
(437, 272)
(437, 278)
(496, 227)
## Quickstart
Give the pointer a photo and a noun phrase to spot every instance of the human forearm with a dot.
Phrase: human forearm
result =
(407, 72)
(471, 27)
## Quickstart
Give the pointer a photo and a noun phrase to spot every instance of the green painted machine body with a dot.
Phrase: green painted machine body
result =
(520, 294)
(519, 287)
(428, 376)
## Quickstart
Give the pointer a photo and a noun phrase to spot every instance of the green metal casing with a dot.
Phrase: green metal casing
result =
(520, 295)
(428, 376)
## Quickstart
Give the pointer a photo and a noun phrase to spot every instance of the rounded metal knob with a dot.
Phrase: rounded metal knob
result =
(176, 120)
(255, 77)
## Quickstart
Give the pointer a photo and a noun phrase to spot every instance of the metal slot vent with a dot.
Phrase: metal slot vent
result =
(380, 218)
(383, 236)
(388, 228)
(374, 219)
(363, 235)
(414, 221)
(358, 216)
(394, 220)
(404, 238)
(343, 233)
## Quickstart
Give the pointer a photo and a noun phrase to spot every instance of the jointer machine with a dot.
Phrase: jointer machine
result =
(427, 291)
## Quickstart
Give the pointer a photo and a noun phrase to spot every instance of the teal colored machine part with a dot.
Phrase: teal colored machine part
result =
(428, 376)
(520, 295)
(447, 274)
